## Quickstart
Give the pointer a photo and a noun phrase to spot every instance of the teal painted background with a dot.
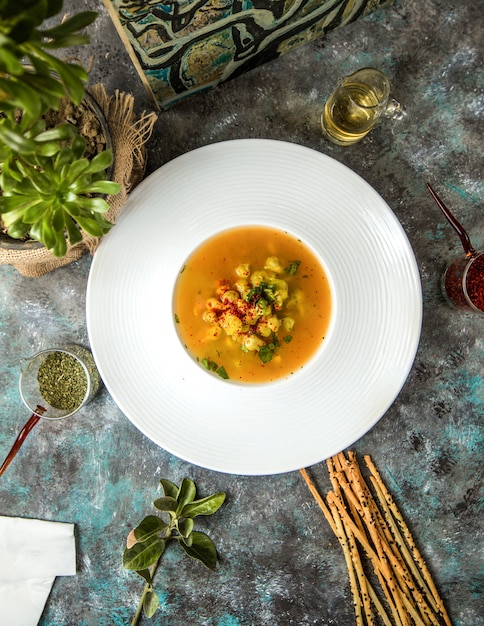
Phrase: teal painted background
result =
(280, 565)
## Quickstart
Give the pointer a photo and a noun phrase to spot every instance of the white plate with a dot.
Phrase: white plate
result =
(361, 366)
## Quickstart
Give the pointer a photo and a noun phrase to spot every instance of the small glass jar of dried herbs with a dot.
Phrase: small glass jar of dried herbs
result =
(60, 381)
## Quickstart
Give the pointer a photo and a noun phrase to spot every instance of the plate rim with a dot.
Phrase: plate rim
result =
(254, 144)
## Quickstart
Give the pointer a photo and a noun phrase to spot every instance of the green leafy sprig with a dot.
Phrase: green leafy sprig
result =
(32, 87)
(147, 542)
(49, 189)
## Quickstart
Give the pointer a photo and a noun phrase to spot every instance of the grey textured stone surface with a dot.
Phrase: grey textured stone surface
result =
(280, 565)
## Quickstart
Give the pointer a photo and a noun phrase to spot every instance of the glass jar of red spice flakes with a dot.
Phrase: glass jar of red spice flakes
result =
(463, 282)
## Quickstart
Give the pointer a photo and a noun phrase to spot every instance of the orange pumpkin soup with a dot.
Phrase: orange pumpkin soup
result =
(252, 304)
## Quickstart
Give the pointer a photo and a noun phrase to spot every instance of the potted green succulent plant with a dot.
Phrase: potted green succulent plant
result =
(50, 188)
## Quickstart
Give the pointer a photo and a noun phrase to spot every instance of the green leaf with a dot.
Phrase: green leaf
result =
(58, 220)
(32, 128)
(22, 95)
(53, 7)
(143, 555)
(93, 205)
(18, 229)
(10, 61)
(103, 222)
(187, 494)
(78, 146)
(145, 574)
(202, 549)
(204, 506)
(10, 176)
(72, 207)
(10, 203)
(60, 247)
(71, 25)
(169, 488)
(167, 503)
(67, 42)
(101, 161)
(63, 132)
(73, 76)
(49, 90)
(16, 141)
(90, 225)
(151, 525)
(73, 232)
(76, 168)
(36, 230)
(103, 186)
(64, 157)
(14, 216)
(185, 527)
(23, 30)
(47, 149)
(150, 603)
(42, 183)
(49, 235)
(34, 212)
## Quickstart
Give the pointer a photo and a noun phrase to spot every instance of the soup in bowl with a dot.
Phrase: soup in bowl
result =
(252, 304)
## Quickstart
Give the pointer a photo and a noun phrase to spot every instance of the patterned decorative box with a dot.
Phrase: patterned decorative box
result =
(181, 47)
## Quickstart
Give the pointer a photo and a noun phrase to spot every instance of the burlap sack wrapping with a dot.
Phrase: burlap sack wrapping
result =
(129, 135)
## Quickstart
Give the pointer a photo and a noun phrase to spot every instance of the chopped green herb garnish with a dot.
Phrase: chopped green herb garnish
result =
(264, 291)
(292, 268)
(211, 366)
(222, 373)
(177, 319)
(266, 352)
(269, 291)
(263, 307)
(287, 338)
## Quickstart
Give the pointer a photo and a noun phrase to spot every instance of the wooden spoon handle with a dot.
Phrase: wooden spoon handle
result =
(464, 237)
(32, 421)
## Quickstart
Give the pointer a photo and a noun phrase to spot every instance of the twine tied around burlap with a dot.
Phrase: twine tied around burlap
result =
(129, 134)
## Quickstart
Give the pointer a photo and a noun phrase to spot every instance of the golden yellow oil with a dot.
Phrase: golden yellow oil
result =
(351, 113)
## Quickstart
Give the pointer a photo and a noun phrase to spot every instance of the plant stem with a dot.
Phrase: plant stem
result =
(149, 586)
(136, 617)
(146, 590)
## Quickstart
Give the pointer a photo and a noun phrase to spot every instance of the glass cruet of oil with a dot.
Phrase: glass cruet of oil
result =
(356, 105)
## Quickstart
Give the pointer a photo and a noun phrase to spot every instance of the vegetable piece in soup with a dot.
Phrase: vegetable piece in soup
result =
(252, 304)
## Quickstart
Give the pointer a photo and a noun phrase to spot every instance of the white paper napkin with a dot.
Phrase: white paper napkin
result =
(32, 553)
